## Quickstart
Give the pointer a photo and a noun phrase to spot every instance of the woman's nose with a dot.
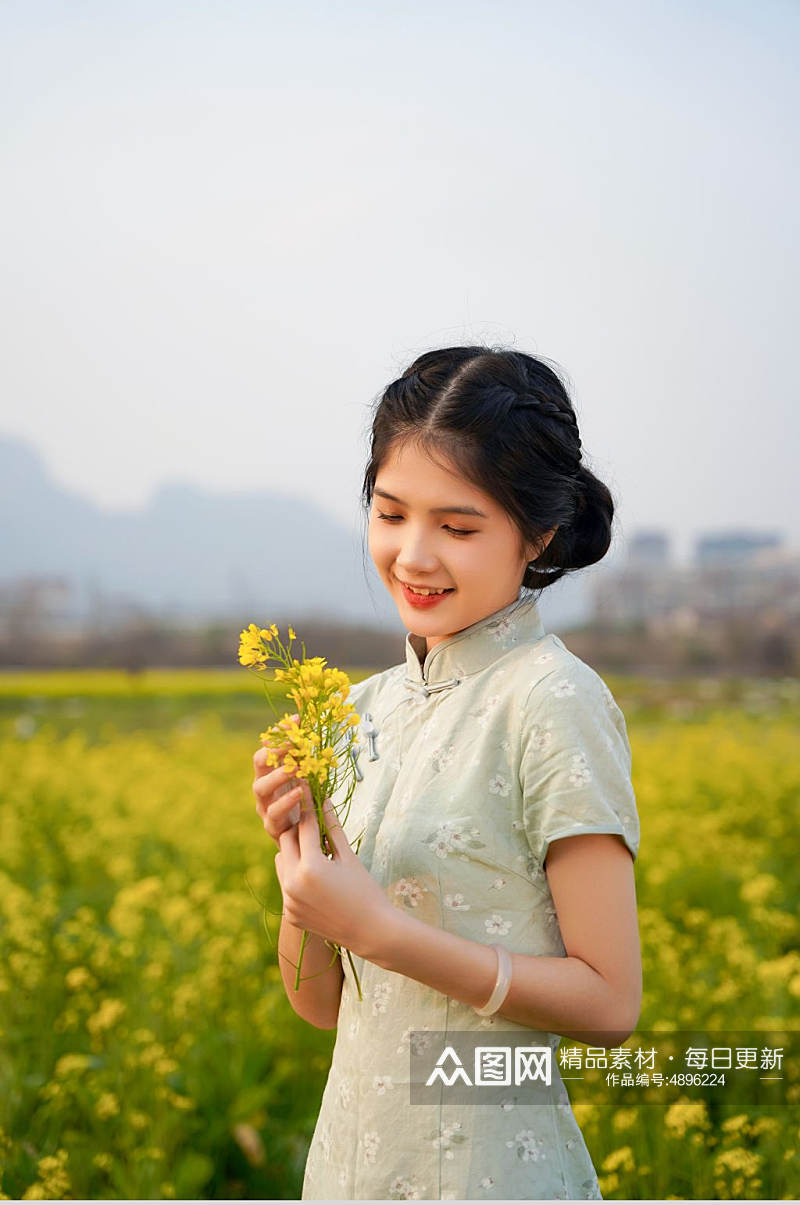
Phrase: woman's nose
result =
(414, 555)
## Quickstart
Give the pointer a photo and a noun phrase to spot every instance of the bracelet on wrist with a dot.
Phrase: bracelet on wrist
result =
(502, 983)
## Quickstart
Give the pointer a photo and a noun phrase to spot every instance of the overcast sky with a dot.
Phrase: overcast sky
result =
(227, 226)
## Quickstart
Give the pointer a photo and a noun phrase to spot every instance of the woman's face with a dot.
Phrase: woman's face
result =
(414, 537)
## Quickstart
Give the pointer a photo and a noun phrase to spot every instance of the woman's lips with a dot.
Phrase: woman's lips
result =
(423, 601)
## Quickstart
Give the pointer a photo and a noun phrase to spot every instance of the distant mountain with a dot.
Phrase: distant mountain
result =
(189, 552)
(194, 554)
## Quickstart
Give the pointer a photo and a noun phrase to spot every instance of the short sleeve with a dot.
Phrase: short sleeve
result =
(575, 765)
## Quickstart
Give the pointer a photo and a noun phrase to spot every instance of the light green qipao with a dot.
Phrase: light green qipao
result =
(502, 741)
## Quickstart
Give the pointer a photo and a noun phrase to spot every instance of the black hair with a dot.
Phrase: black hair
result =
(504, 419)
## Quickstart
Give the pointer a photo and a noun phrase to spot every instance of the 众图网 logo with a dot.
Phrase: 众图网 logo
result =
(493, 1066)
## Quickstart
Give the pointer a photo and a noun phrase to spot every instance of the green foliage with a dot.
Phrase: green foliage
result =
(147, 1048)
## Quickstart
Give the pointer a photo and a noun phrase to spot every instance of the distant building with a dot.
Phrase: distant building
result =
(733, 547)
(649, 548)
(734, 572)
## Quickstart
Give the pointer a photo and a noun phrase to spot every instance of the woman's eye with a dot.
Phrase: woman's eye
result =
(455, 531)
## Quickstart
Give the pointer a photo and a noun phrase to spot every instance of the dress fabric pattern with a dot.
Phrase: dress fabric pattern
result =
(500, 742)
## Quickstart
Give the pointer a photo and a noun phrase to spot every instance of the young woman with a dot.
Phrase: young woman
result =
(493, 888)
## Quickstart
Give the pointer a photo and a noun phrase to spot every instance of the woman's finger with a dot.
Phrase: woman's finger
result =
(286, 810)
(296, 802)
(274, 782)
(336, 832)
(289, 848)
(278, 805)
(308, 833)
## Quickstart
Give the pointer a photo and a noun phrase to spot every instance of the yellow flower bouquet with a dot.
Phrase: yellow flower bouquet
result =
(319, 741)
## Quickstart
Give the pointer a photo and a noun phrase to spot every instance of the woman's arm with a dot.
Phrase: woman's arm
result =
(593, 995)
(316, 1000)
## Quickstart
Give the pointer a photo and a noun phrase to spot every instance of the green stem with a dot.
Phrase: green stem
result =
(303, 941)
(355, 973)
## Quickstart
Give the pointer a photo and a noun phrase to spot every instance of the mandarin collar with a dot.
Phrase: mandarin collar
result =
(472, 649)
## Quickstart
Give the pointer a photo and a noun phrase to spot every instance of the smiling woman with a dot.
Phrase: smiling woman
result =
(495, 806)
(478, 569)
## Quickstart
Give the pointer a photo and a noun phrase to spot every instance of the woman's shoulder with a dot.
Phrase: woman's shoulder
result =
(555, 672)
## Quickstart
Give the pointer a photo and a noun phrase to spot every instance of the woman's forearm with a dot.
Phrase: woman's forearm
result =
(315, 1000)
(557, 995)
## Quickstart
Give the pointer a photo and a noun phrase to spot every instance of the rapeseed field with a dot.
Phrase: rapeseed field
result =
(147, 1048)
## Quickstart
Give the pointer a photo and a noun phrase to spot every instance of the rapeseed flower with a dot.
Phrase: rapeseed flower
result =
(317, 745)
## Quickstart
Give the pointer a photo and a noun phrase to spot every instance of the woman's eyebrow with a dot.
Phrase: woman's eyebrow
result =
(438, 510)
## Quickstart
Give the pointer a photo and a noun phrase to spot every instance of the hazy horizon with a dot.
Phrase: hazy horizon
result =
(226, 227)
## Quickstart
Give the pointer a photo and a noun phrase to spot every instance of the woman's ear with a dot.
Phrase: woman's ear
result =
(533, 551)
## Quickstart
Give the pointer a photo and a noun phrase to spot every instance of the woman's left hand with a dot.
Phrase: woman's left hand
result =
(336, 898)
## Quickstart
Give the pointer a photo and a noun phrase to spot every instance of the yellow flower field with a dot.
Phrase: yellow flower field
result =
(146, 1045)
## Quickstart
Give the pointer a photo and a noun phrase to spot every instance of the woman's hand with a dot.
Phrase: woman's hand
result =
(278, 797)
(336, 898)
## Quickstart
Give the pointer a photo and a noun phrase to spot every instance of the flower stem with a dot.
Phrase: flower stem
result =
(355, 973)
(303, 942)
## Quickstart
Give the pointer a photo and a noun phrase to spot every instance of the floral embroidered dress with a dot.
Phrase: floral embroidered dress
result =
(473, 761)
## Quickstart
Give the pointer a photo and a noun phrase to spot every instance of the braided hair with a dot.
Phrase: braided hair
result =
(504, 419)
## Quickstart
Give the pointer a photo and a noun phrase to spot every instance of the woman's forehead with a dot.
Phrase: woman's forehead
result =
(417, 478)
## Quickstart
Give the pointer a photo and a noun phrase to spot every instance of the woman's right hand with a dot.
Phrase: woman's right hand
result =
(279, 794)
